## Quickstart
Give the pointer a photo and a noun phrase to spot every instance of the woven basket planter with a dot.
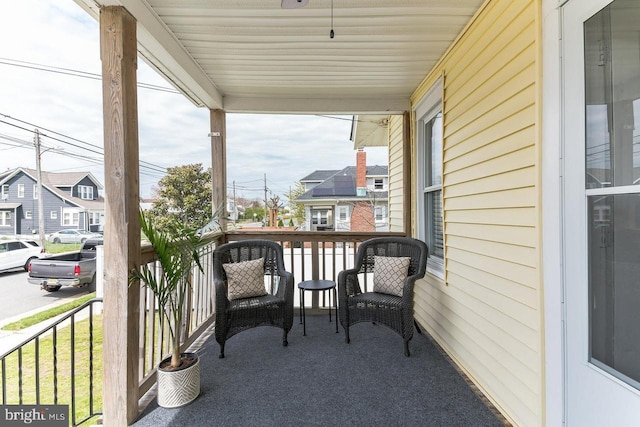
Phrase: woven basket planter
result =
(178, 387)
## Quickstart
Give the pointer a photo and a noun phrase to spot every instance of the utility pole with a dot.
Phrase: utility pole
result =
(266, 207)
(39, 178)
(235, 206)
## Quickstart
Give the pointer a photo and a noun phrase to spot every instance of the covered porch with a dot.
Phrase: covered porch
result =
(385, 58)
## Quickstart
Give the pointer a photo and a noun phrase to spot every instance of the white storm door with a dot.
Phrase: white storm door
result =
(601, 189)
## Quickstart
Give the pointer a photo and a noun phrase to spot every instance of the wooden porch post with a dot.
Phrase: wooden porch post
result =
(219, 163)
(118, 51)
(406, 167)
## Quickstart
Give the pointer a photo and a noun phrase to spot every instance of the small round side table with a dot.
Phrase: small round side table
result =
(317, 285)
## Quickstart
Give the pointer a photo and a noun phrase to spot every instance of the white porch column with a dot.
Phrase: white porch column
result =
(118, 51)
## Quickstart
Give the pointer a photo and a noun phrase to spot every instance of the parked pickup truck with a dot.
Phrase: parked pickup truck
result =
(68, 269)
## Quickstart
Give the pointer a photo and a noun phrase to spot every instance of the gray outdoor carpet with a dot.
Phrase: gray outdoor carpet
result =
(318, 380)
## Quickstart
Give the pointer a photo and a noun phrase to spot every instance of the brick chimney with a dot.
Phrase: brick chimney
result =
(362, 215)
(361, 172)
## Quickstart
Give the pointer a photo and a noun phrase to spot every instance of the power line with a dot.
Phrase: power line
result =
(101, 152)
(92, 160)
(76, 73)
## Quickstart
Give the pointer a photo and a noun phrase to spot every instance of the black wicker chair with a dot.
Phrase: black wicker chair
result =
(273, 309)
(392, 311)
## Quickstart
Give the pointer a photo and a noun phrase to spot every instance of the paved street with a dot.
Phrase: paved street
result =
(20, 298)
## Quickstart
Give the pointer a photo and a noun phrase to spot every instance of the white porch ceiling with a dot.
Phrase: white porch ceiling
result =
(254, 56)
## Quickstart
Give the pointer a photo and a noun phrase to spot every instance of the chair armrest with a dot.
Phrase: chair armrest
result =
(348, 283)
(407, 289)
(222, 302)
(285, 287)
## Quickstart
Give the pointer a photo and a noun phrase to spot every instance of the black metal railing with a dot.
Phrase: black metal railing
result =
(60, 365)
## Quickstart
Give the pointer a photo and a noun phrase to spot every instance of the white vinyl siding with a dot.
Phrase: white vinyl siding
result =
(396, 174)
(487, 312)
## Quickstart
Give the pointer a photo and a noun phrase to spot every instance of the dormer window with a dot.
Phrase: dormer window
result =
(85, 192)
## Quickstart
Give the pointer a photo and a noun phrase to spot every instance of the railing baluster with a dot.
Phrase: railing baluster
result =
(72, 336)
(303, 262)
(37, 363)
(55, 365)
(4, 381)
(91, 359)
(20, 375)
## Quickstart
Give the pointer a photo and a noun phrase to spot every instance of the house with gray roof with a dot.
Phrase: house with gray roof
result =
(351, 199)
(70, 200)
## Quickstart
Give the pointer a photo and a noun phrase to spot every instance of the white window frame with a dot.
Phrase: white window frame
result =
(35, 192)
(380, 185)
(20, 191)
(94, 218)
(4, 192)
(54, 214)
(28, 215)
(380, 210)
(5, 219)
(70, 217)
(85, 192)
(428, 108)
(343, 210)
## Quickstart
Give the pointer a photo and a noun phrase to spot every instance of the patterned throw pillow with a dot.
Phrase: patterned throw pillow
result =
(245, 279)
(389, 274)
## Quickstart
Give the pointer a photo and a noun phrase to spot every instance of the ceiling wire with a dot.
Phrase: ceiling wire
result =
(331, 33)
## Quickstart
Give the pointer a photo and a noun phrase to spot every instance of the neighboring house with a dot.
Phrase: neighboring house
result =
(70, 200)
(235, 211)
(351, 199)
(146, 204)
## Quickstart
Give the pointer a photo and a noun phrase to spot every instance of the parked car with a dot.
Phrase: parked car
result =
(67, 269)
(71, 236)
(18, 253)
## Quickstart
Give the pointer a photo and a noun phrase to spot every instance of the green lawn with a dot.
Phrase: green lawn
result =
(56, 248)
(47, 314)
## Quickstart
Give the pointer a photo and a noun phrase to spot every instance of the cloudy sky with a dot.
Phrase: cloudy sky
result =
(49, 68)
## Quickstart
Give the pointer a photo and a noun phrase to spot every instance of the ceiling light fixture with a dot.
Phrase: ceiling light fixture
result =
(293, 4)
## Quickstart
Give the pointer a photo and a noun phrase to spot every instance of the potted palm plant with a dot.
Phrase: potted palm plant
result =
(178, 376)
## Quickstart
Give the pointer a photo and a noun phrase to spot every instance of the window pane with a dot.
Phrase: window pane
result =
(436, 150)
(612, 93)
(433, 151)
(435, 241)
(612, 111)
(614, 290)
